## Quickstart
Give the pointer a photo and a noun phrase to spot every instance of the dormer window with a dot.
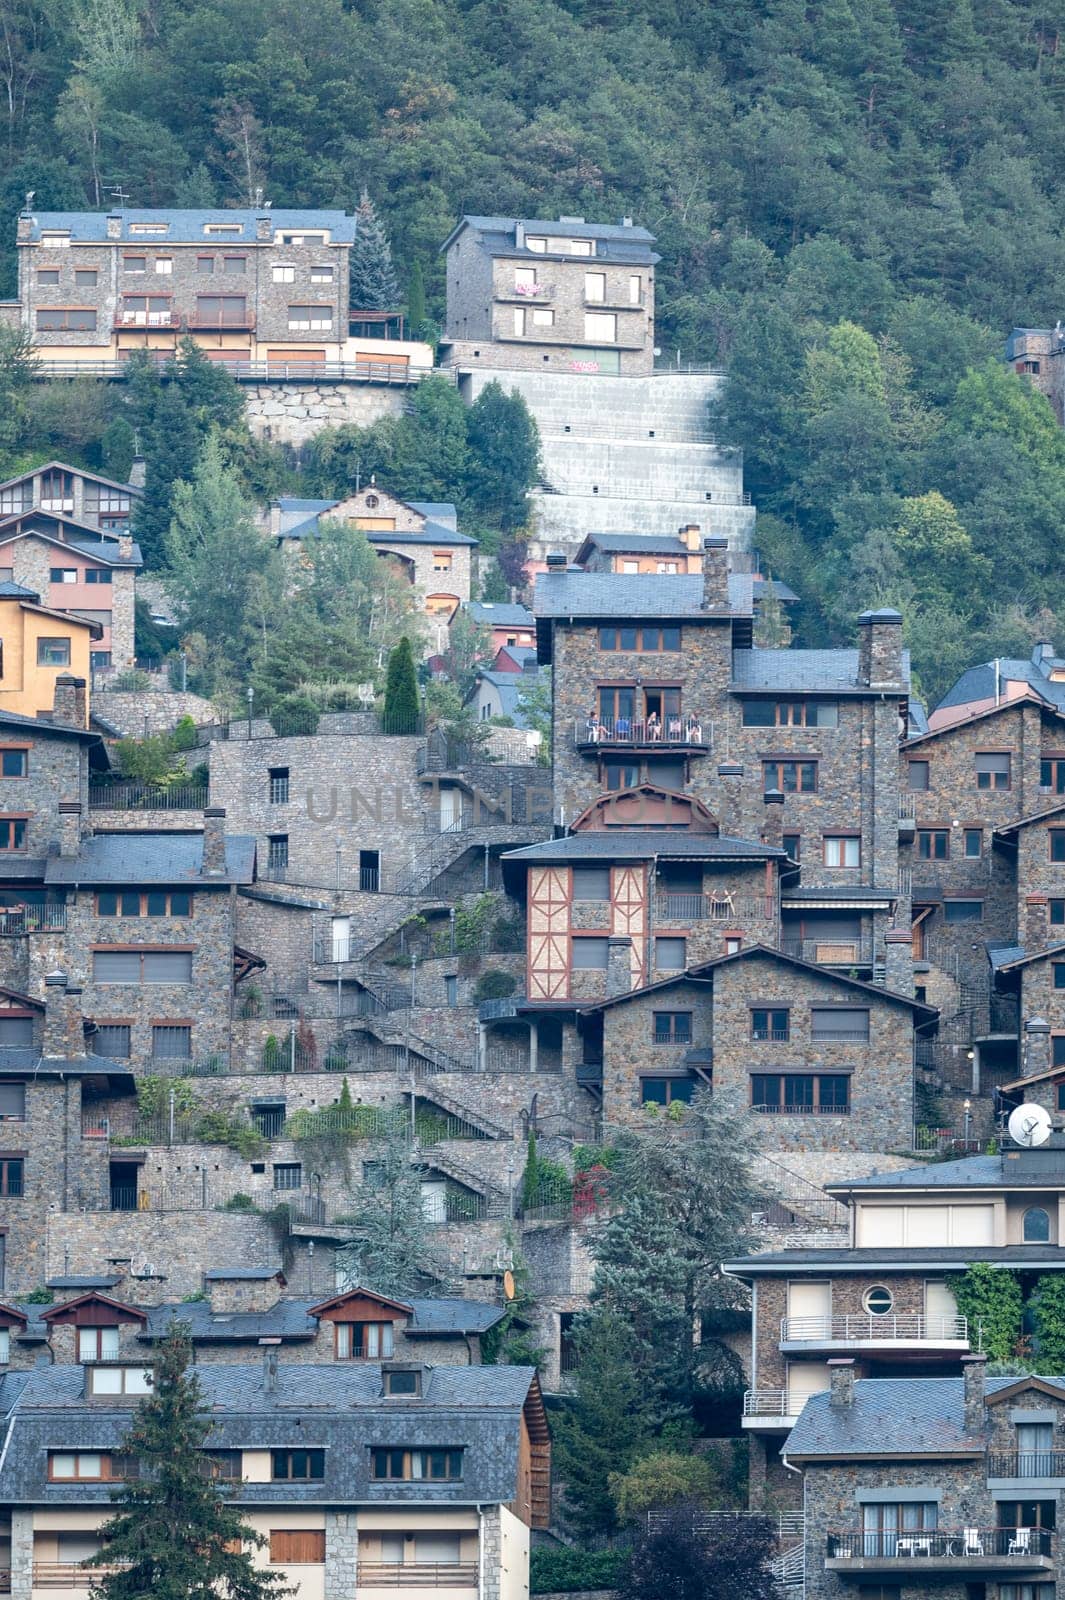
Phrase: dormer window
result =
(402, 1381)
(97, 1344)
(363, 1341)
(116, 1381)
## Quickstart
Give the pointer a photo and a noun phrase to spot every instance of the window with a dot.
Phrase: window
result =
(878, 1301)
(770, 1023)
(53, 652)
(56, 319)
(112, 1039)
(403, 1382)
(635, 289)
(441, 560)
(322, 274)
(667, 1091)
(363, 1341)
(142, 966)
(830, 1023)
(13, 1099)
(85, 277)
(303, 1547)
(519, 321)
(13, 500)
(973, 843)
(235, 266)
(307, 318)
(284, 273)
(63, 574)
(542, 318)
(537, 246)
(221, 227)
(842, 850)
(288, 1175)
(600, 327)
(590, 954)
(11, 1176)
(933, 844)
(1026, 1591)
(591, 883)
(134, 263)
(620, 775)
(12, 833)
(278, 785)
(1057, 1053)
(1052, 774)
(298, 1466)
(917, 775)
(221, 310)
(97, 1344)
(204, 265)
(963, 910)
(55, 241)
(993, 770)
(144, 903)
(47, 276)
(16, 1032)
(766, 713)
(801, 1093)
(1057, 912)
(644, 637)
(13, 763)
(792, 843)
(5, 1346)
(525, 280)
(791, 777)
(84, 1466)
(1036, 1226)
(98, 575)
(171, 1042)
(595, 286)
(672, 1027)
(224, 1465)
(153, 228)
(164, 266)
(671, 954)
(412, 1465)
(277, 852)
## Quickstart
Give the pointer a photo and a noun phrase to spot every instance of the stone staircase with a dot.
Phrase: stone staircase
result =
(457, 1106)
(496, 1199)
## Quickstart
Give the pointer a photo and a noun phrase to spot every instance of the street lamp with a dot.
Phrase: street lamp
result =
(967, 1108)
(250, 693)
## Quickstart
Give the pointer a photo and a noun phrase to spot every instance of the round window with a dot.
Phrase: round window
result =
(878, 1302)
(372, 501)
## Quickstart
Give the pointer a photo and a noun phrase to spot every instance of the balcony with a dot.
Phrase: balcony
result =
(729, 908)
(17, 921)
(68, 1575)
(230, 322)
(903, 1328)
(769, 1410)
(688, 733)
(1023, 1466)
(147, 319)
(417, 1575)
(999, 1551)
(842, 952)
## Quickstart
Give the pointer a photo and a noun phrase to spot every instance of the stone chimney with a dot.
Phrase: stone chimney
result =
(1035, 1047)
(618, 967)
(880, 649)
(773, 827)
(214, 841)
(270, 1367)
(1036, 923)
(898, 961)
(138, 473)
(730, 778)
(125, 545)
(973, 1374)
(64, 1031)
(275, 520)
(264, 230)
(70, 705)
(556, 561)
(114, 225)
(25, 228)
(715, 575)
(841, 1379)
(69, 828)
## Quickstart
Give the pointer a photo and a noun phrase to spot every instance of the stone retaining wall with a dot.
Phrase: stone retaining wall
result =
(292, 413)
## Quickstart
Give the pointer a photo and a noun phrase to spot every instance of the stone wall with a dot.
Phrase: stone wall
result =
(136, 713)
(292, 413)
(177, 1245)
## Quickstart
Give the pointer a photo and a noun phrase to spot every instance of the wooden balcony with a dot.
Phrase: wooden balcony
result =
(416, 1575)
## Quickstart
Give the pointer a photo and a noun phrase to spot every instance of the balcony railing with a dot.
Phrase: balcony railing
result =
(147, 797)
(972, 1545)
(672, 906)
(16, 921)
(687, 732)
(1026, 1464)
(828, 952)
(771, 1403)
(147, 319)
(861, 1327)
(539, 292)
(417, 1575)
(68, 1575)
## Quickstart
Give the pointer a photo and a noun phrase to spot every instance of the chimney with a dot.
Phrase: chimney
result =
(64, 1031)
(214, 841)
(519, 236)
(841, 1379)
(69, 828)
(270, 1366)
(114, 225)
(973, 1373)
(556, 562)
(898, 961)
(730, 774)
(263, 229)
(618, 967)
(70, 705)
(1035, 1049)
(715, 575)
(125, 546)
(1035, 924)
(530, 664)
(773, 827)
(138, 473)
(25, 228)
(880, 649)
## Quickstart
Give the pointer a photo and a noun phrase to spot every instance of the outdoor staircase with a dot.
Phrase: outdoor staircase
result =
(464, 1111)
(496, 1200)
(795, 1204)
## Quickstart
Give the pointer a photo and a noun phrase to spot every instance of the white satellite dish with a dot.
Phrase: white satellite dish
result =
(1029, 1125)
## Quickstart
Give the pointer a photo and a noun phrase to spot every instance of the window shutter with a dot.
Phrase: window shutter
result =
(168, 966)
(116, 966)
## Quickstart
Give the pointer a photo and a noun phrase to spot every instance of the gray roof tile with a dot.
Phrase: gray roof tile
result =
(891, 1417)
(641, 845)
(141, 858)
(187, 226)
(498, 615)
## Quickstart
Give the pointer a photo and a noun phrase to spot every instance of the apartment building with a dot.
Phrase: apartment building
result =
(563, 296)
(248, 285)
(359, 1477)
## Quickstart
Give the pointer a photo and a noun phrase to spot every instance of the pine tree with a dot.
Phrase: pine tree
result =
(401, 691)
(175, 1538)
(374, 285)
(394, 1252)
(504, 446)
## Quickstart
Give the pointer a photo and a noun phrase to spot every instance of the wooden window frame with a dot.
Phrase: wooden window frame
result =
(770, 1034)
(993, 788)
(672, 1042)
(814, 1107)
(10, 1159)
(773, 770)
(828, 839)
(288, 1559)
(105, 1474)
(311, 1451)
(144, 895)
(15, 749)
(928, 832)
(408, 1452)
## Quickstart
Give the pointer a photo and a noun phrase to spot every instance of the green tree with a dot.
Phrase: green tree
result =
(937, 553)
(504, 449)
(415, 299)
(1050, 1322)
(991, 1299)
(173, 1536)
(400, 714)
(674, 1555)
(661, 1479)
(374, 286)
(394, 1252)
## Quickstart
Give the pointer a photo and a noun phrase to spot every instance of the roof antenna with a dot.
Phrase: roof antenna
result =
(31, 195)
(119, 196)
(258, 196)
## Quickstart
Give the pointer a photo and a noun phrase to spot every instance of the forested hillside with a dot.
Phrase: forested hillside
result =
(895, 167)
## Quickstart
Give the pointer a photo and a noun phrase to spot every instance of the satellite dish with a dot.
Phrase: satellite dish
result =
(1029, 1125)
(508, 1285)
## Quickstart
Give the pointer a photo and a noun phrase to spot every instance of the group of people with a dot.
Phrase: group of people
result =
(689, 730)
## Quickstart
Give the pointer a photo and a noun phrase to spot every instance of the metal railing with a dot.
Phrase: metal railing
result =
(767, 1403)
(687, 731)
(255, 371)
(1026, 1464)
(417, 1574)
(805, 1108)
(842, 952)
(68, 1575)
(147, 797)
(860, 1327)
(674, 906)
(17, 921)
(937, 1545)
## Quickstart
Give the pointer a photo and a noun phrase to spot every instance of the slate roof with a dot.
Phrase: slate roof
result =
(971, 1172)
(510, 687)
(80, 1283)
(96, 545)
(498, 615)
(58, 730)
(142, 858)
(301, 519)
(79, 472)
(978, 683)
(890, 1417)
(18, 1061)
(573, 593)
(1002, 956)
(336, 1407)
(290, 1319)
(1033, 817)
(519, 654)
(440, 1315)
(186, 227)
(497, 237)
(830, 671)
(844, 1260)
(443, 512)
(16, 591)
(640, 844)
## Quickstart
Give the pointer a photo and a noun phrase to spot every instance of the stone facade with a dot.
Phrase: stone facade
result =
(292, 413)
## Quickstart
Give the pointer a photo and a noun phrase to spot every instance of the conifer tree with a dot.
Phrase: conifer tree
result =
(401, 691)
(174, 1537)
(374, 285)
(415, 299)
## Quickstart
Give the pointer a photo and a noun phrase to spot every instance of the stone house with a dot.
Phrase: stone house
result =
(932, 1485)
(378, 1474)
(508, 624)
(566, 296)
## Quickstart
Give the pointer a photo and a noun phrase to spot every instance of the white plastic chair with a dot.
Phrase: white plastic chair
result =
(974, 1545)
(1021, 1543)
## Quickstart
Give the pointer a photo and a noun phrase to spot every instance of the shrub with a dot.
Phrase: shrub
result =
(238, 1202)
(273, 1055)
(294, 714)
(400, 714)
(39, 1297)
(561, 1570)
(132, 682)
(251, 1002)
(184, 734)
(1050, 1322)
(991, 1299)
(494, 986)
(661, 1479)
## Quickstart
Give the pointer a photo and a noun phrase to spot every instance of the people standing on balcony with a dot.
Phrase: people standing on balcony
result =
(654, 726)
